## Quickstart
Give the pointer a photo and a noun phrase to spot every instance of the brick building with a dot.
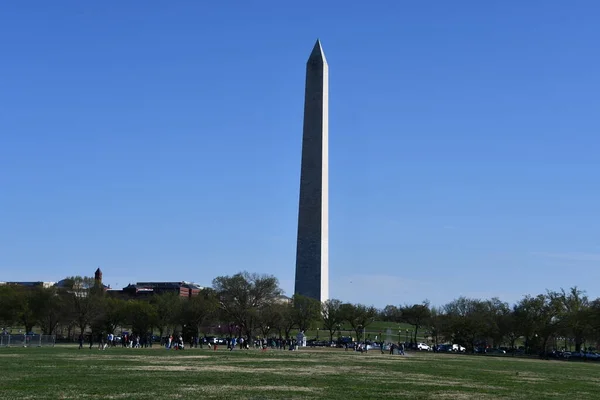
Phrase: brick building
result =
(145, 289)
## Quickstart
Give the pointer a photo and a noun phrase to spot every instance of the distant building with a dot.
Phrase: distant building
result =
(137, 290)
(144, 289)
(283, 299)
(45, 285)
(98, 277)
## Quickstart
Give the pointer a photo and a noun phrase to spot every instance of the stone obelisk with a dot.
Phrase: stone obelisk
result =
(312, 252)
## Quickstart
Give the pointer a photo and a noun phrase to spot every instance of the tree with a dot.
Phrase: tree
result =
(243, 296)
(508, 323)
(168, 312)
(524, 319)
(114, 313)
(435, 323)
(391, 314)
(83, 300)
(466, 321)
(27, 313)
(267, 321)
(9, 305)
(331, 315)
(575, 314)
(199, 309)
(51, 308)
(141, 316)
(497, 312)
(595, 320)
(358, 316)
(539, 320)
(416, 315)
(282, 318)
(306, 312)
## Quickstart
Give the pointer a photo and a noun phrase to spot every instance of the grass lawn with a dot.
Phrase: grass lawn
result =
(66, 372)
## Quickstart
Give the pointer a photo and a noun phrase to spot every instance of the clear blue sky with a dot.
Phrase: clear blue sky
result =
(161, 141)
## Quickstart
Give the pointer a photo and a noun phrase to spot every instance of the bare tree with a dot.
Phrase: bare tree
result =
(331, 312)
(416, 315)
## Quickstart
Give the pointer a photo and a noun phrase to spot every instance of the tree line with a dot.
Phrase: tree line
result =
(553, 320)
(251, 305)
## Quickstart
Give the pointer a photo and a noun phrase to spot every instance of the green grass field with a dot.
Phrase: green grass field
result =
(69, 373)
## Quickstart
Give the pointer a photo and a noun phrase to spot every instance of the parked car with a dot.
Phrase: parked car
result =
(458, 348)
(443, 348)
(591, 356)
(423, 347)
(494, 351)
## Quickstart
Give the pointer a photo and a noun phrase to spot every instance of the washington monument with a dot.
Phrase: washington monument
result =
(312, 251)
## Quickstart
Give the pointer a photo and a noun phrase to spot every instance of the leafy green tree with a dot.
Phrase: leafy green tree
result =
(359, 317)
(466, 321)
(168, 310)
(9, 305)
(114, 313)
(497, 311)
(141, 316)
(243, 296)
(276, 318)
(306, 312)
(575, 314)
(539, 317)
(508, 324)
(51, 309)
(595, 322)
(391, 314)
(282, 318)
(416, 315)
(200, 309)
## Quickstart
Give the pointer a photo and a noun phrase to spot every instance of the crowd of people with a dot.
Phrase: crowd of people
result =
(111, 340)
(242, 343)
(176, 342)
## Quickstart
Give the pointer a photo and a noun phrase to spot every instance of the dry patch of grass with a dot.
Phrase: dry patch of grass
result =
(220, 389)
(292, 360)
(529, 377)
(462, 396)
(429, 380)
(316, 370)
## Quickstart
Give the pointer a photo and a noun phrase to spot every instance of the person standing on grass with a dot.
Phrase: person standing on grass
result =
(80, 341)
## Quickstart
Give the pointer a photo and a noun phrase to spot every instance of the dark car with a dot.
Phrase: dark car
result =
(442, 348)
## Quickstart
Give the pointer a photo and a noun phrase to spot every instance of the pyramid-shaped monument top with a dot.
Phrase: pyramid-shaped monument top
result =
(317, 54)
